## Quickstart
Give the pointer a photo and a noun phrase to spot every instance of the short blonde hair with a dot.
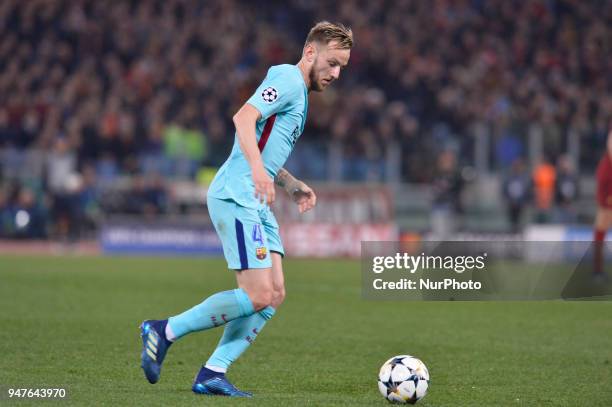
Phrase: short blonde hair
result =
(325, 32)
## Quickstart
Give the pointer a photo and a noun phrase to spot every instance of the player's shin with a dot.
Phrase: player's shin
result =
(237, 337)
(216, 310)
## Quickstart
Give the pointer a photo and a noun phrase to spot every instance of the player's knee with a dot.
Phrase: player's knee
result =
(262, 298)
(279, 297)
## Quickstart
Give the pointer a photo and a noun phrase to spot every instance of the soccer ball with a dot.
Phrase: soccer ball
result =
(403, 379)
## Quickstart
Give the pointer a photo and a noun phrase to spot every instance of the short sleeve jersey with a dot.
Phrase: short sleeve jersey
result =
(282, 100)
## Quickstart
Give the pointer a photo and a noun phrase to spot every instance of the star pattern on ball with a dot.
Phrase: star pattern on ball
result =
(403, 379)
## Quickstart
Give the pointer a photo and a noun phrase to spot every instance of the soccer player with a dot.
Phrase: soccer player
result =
(267, 128)
(603, 219)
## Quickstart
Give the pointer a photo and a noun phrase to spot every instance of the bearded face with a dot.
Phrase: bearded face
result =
(315, 78)
(326, 66)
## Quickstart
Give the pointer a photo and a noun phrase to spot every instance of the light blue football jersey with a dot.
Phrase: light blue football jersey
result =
(282, 100)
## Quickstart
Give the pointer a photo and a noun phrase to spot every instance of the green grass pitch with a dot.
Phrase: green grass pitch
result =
(73, 323)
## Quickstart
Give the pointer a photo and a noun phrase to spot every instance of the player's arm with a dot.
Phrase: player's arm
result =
(245, 121)
(301, 193)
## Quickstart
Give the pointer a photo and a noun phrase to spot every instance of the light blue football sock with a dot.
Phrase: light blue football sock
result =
(216, 310)
(237, 337)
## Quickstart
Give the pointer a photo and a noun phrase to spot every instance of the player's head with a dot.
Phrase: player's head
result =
(326, 52)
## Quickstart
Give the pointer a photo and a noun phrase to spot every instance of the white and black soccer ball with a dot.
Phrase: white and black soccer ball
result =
(269, 94)
(403, 379)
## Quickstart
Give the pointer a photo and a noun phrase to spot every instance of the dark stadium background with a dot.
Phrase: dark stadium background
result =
(466, 119)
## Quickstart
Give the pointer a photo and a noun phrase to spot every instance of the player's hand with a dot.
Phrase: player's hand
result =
(264, 186)
(304, 196)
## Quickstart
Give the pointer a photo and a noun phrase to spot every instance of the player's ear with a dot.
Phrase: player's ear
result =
(310, 52)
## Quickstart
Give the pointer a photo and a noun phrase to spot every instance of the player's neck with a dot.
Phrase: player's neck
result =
(304, 72)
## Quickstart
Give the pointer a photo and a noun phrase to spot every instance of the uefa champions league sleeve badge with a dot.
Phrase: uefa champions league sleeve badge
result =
(269, 95)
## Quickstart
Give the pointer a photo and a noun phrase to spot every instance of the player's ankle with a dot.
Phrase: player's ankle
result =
(208, 372)
(169, 333)
(161, 327)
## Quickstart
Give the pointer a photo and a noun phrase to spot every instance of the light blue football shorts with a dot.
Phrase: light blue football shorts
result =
(248, 235)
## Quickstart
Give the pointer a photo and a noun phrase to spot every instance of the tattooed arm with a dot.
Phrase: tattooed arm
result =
(301, 193)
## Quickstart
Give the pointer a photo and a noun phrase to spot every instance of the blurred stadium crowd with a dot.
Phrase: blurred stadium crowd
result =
(92, 91)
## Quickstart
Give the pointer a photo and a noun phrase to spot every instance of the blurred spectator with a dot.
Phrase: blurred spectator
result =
(185, 149)
(567, 191)
(509, 150)
(61, 166)
(6, 221)
(63, 182)
(447, 186)
(29, 221)
(88, 198)
(544, 179)
(147, 197)
(156, 196)
(516, 191)
(7, 133)
(20, 215)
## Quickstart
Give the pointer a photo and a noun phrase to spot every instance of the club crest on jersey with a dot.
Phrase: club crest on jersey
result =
(269, 95)
(261, 252)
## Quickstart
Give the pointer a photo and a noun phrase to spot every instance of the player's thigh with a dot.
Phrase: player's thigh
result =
(255, 279)
(272, 232)
(603, 219)
(277, 252)
(242, 235)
